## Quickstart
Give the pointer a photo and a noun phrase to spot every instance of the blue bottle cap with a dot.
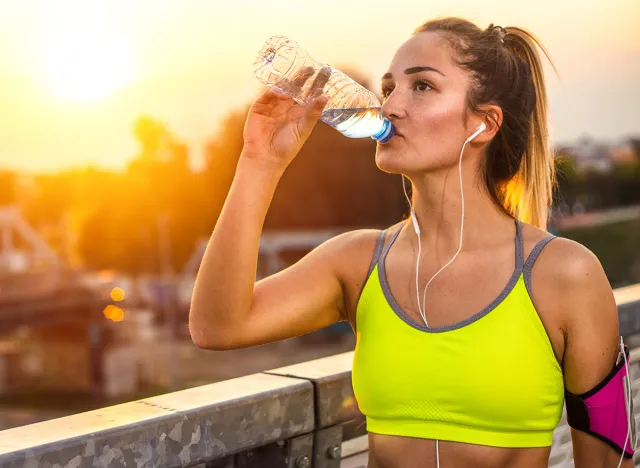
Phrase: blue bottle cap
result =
(385, 133)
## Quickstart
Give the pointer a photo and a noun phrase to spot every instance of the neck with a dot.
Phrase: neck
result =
(437, 202)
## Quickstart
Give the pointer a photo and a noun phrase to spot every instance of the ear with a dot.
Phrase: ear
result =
(492, 116)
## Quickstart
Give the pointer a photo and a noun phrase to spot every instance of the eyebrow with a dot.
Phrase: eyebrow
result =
(412, 70)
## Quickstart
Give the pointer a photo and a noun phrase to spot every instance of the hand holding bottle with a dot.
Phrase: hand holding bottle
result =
(277, 127)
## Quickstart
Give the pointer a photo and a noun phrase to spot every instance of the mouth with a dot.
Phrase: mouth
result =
(397, 132)
(395, 136)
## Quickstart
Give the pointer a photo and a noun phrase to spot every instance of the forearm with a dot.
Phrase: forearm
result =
(224, 285)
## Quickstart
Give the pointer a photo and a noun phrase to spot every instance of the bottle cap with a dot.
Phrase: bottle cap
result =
(385, 133)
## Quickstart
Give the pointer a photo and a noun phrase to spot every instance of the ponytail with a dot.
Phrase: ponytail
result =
(518, 170)
(530, 194)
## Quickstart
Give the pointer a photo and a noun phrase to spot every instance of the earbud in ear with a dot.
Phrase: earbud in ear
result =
(481, 128)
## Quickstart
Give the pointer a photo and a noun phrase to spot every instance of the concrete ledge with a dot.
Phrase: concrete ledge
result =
(176, 429)
(331, 377)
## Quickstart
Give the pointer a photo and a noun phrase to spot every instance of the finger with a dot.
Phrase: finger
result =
(270, 95)
(270, 101)
(320, 81)
(316, 107)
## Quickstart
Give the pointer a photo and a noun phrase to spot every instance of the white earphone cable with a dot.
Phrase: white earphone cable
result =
(417, 229)
(424, 294)
(422, 303)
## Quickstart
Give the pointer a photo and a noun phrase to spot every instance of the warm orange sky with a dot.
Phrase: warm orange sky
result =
(189, 62)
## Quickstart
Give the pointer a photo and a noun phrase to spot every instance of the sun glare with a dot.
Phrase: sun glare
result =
(85, 66)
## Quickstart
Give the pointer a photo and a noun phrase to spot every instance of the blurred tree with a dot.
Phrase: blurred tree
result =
(8, 195)
(627, 182)
(565, 194)
(123, 230)
(596, 190)
(221, 158)
(635, 144)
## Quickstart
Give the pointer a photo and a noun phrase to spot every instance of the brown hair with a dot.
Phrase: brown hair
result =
(506, 70)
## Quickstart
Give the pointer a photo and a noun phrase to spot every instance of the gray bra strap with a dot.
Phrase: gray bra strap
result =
(377, 251)
(533, 256)
(386, 249)
(519, 247)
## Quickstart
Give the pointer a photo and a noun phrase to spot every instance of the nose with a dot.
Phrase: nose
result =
(393, 106)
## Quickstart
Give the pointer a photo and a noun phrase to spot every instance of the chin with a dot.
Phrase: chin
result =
(390, 160)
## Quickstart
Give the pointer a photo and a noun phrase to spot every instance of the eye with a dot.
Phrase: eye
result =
(422, 86)
(386, 91)
(419, 85)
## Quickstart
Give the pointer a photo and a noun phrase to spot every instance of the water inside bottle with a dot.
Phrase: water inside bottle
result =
(355, 122)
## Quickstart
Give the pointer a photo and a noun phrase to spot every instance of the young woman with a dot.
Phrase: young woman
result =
(473, 370)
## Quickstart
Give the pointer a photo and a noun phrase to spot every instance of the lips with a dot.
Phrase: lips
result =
(394, 138)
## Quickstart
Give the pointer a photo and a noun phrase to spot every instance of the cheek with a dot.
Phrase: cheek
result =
(438, 126)
(435, 134)
(441, 117)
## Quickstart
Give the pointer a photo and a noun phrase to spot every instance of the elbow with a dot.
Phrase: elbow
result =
(211, 337)
(210, 343)
(203, 342)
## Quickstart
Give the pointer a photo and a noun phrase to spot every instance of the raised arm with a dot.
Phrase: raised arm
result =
(228, 309)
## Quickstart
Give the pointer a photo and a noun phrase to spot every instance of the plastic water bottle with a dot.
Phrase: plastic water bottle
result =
(352, 109)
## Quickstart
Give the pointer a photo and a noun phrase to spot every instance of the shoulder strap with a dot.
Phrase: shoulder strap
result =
(377, 251)
(531, 260)
(519, 247)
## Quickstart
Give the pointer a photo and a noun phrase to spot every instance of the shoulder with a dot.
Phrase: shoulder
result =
(352, 249)
(571, 268)
(573, 283)
(580, 286)
(351, 255)
(347, 246)
(570, 290)
(564, 263)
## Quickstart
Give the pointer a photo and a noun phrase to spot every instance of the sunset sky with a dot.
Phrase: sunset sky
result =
(74, 75)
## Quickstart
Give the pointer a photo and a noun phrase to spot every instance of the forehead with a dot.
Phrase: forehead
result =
(424, 49)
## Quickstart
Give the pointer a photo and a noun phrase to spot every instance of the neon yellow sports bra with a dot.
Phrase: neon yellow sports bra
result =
(491, 379)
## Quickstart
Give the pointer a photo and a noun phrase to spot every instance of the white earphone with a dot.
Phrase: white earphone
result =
(481, 128)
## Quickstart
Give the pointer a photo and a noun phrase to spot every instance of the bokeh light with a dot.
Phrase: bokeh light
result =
(116, 314)
(117, 294)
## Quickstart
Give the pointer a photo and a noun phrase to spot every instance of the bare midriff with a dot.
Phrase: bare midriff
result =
(407, 452)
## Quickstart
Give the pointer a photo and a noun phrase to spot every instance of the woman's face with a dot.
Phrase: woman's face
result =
(424, 95)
